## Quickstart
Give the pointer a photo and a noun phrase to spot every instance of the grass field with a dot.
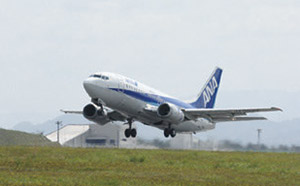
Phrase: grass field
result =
(68, 166)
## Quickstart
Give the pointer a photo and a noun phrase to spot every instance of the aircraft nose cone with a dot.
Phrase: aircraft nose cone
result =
(86, 83)
(89, 85)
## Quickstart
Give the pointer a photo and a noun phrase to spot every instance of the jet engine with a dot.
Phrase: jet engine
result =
(170, 113)
(95, 114)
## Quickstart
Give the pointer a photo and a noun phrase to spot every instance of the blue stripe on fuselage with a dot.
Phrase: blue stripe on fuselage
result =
(153, 99)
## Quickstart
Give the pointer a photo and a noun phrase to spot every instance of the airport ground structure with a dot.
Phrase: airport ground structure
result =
(93, 136)
(112, 135)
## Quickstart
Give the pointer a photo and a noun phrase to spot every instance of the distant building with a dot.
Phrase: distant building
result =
(93, 135)
(184, 141)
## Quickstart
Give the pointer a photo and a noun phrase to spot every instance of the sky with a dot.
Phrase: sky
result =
(48, 47)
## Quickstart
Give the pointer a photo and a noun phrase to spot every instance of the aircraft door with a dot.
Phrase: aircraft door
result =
(121, 86)
(121, 100)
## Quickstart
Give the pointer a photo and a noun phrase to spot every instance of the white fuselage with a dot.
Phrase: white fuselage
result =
(130, 98)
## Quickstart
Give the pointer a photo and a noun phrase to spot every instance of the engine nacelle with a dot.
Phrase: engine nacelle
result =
(95, 114)
(170, 113)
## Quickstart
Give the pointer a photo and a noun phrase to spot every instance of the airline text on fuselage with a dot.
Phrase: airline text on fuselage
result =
(209, 91)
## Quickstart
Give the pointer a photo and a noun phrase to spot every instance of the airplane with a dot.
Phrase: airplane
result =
(118, 98)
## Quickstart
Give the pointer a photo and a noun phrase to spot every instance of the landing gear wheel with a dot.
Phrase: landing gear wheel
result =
(127, 133)
(166, 133)
(130, 132)
(133, 133)
(172, 133)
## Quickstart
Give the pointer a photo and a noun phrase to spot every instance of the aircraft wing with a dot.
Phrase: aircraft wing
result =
(116, 116)
(112, 115)
(223, 115)
(71, 111)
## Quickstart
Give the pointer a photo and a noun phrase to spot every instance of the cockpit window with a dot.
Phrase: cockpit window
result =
(100, 76)
(97, 76)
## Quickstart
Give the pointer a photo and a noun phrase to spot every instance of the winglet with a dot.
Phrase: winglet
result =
(277, 109)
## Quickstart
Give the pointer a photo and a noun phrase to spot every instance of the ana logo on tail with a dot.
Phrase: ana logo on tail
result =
(210, 90)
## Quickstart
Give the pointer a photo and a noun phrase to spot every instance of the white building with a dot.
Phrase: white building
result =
(185, 141)
(93, 135)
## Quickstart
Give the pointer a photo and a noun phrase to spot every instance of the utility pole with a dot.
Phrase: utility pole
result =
(58, 123)
(259, 131)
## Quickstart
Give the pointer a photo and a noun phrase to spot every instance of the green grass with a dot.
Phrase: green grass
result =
(68, 166)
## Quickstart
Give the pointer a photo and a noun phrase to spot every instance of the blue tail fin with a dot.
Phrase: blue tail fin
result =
(207, 96)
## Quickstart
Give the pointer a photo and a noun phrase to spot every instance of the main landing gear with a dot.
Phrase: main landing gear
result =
(130, 131)
(169, 132)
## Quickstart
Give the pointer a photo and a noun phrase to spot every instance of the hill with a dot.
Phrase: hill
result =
(49, 125)
(69, 166)
(274, 133)
(9, 138)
